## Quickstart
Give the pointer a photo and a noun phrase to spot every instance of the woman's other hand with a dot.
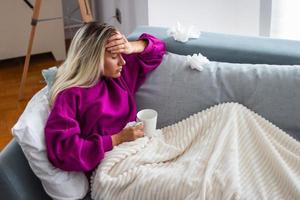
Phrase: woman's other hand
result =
(118, 43)
(128, 134)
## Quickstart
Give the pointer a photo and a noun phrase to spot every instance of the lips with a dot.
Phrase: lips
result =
(119, 69)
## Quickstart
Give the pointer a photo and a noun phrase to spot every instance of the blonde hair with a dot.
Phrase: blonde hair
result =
(85, 60)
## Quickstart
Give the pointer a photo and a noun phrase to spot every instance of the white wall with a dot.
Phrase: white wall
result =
(133, 13)
(242, 17)
(139, 13)
(225, 16)
(285, 19)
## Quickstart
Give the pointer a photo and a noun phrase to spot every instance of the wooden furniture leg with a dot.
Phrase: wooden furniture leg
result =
(86, 15)
(35, 16)
(85, 10)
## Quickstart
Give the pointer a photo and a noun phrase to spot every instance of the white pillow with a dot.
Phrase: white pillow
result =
(29, 133)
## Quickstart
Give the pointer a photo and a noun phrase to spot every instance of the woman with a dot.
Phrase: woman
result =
(92, 98)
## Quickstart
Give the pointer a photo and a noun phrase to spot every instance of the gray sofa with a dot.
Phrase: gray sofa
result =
(178, 92)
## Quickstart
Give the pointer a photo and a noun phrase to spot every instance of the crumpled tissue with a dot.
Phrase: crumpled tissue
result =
(197, 61)
(182, 33)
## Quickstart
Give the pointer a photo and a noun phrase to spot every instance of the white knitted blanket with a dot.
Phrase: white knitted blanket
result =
(224, 152)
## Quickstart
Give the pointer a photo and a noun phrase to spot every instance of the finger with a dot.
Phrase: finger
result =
(139, 126)
(114, 43)
(139, 133)
(116, 36)
(114, 48)
(116, 33)
(142, 133)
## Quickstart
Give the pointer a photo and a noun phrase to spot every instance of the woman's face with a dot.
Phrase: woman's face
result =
(113, 65)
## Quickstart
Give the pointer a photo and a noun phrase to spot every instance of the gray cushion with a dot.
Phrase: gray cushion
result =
(176, 91)
(230, 48)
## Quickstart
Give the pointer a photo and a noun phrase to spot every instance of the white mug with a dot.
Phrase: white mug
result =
(149, 119)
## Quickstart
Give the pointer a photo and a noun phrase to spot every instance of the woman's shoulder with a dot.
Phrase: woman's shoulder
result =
(71, 91)
(80, 91)
(71, 96)
(64, 97)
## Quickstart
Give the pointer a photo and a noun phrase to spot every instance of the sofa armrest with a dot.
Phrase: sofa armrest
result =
(230, 48)
(17, 180)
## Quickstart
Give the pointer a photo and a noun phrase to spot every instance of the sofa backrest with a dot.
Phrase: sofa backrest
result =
(17, 181)
(230, 48)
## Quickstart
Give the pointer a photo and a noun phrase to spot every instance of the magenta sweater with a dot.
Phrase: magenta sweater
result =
(79, 128)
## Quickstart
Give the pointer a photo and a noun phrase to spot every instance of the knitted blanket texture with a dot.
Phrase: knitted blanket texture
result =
(224, 152)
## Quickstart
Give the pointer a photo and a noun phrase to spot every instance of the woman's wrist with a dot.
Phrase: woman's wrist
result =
(116, 139)
(139, 46)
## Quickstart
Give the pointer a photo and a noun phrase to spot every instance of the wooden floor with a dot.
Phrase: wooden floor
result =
(10, 77)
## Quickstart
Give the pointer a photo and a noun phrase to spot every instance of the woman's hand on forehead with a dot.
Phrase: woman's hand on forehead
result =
(115, 36)
(117, 43)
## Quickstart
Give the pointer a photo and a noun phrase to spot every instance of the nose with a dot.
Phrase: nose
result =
(121, 60)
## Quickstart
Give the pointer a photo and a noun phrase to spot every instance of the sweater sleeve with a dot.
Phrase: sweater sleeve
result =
(140, 64)
(66, 149)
